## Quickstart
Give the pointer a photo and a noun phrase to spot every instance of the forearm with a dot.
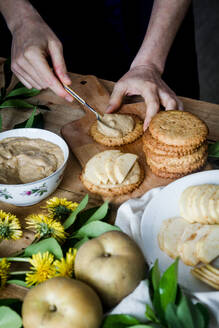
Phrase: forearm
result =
(165, 20)
(16, 12)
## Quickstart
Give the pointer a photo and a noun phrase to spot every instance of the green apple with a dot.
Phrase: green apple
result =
(62, 303)
(112, 264)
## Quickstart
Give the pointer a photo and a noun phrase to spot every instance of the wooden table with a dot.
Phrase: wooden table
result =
(61, 113)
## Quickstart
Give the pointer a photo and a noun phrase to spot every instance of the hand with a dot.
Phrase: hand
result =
(33, 42)
(144, 80)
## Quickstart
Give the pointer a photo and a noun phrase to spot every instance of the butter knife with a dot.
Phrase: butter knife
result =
(82, 101)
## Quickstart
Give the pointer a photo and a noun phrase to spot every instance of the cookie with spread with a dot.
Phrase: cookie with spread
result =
(112, 172)
(117, 129)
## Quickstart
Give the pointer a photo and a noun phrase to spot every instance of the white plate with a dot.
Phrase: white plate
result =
(164, 206)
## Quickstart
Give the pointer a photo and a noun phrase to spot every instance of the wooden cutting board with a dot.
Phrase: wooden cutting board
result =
(77, 134)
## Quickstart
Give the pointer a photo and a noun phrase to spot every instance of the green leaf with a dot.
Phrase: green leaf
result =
(171, 317)
(9, 318)
(100, 213)
(17, 282)
(166, 291)
(7, 72)
(22, 92)
(213, 149)
(189, 314)
(84, 216)
(150, 315)
(30, 121)
(16, 103)
(94, 229)
(72, 217)
(38, 122)
(119, 321)
(205, 313)
(50, 244)
(154, 276)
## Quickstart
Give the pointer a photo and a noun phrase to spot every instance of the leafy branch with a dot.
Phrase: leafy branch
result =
(171, 308)
(16, 98)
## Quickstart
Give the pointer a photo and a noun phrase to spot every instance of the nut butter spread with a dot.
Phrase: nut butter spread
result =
(115, 125)
(24, 160)
(112, 168)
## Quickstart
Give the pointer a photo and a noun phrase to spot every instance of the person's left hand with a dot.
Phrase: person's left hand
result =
(144, 80)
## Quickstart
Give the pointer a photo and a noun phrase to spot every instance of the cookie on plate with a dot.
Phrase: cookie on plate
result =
(117, 129)
(112, 172)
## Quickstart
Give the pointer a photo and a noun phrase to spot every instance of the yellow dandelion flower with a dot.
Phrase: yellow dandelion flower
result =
(10, 227)
(60, 208)
(4, 272)
(65, 267)
(42, 268)
(45, 227)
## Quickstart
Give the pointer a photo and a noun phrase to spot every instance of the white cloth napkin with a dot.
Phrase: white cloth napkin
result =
(129, 220)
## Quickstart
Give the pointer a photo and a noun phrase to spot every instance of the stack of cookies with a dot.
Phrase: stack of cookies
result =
(175, 144)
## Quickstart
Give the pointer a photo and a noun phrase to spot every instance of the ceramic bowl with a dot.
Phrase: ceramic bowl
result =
(31, 193)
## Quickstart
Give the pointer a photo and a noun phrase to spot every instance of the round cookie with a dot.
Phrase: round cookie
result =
(175, 174)
(175, 163)
(178, 128)
(112, 191)
(159, 148)
(118, 141)
(112, 172)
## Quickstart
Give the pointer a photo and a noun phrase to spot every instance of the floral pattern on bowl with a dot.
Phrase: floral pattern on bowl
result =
(35, 191)
(5, 194)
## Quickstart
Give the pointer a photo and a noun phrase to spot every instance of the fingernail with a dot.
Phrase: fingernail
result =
(108, 109)
(69, 98)
(146, 124)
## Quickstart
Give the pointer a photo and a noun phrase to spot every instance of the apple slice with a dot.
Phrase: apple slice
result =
(109, 166)
(95, 168)
(123, 165)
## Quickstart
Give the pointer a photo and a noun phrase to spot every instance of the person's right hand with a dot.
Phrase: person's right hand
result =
(33, 42)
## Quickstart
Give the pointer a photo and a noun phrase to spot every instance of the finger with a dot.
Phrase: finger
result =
(170, 101)
(56, 53)
(23, 76)
(23, 67)
(116, 98)
(35, 56)
(153, 106)
(23, 81)
(180, 104)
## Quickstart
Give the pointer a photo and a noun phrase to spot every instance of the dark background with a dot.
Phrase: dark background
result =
(102, 38)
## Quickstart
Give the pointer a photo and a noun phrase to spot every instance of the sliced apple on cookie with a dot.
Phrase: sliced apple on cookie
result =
(109, 167)
(99, 165)
(123, 165)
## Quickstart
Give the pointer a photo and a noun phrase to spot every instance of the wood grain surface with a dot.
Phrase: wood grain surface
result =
(77, 135)
(62, 114)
